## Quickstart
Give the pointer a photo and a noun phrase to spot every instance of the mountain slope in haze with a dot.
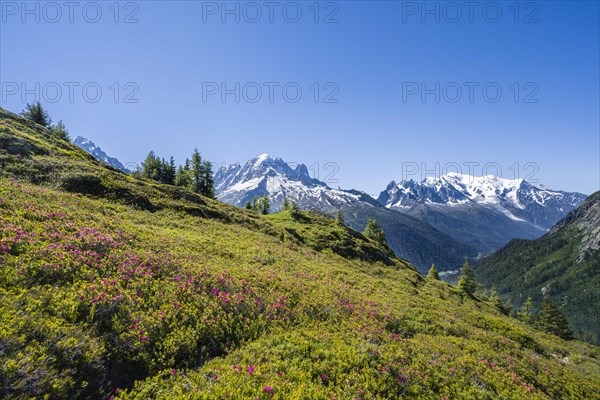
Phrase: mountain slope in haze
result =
(485, 212)
(563, 265)
(99, 154)
(410, 238)
(115, 286)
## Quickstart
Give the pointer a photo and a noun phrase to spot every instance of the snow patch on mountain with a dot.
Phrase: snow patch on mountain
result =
(264, 174)
(516, 199)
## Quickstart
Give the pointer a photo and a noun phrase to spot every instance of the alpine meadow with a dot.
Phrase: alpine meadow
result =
(328, 200)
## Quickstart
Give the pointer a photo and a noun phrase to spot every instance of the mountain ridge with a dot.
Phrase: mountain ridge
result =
(99, 154)
(471, 205)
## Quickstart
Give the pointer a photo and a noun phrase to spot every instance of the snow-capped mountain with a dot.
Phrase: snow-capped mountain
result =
(410, 238)
(481, 207)
(236, 184)
(98, 153)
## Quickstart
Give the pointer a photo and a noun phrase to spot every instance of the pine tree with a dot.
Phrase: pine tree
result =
(526, 312)
(265, 205)
(295, 211)
(151, 167)
(170, 172)
(553, 320)
(183, 177)
(286, 204)
(36, 113)
(256, 204)
(248, 205)
(433, 273)
(467, 282)
(339, 219)
(59, 130)
(208, 181)
(374, 231)
(197, 171)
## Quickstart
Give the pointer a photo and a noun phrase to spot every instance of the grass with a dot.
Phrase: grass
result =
(185, 297)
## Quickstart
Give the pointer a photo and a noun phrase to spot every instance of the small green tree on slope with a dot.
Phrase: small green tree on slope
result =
(467, 282)
(433, 273)
(527, 312)
(60, 130)
(36, 113)
(339, 219)
(553, 320)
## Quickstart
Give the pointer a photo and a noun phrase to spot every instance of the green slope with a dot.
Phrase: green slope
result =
(557, 266)
(114, 286)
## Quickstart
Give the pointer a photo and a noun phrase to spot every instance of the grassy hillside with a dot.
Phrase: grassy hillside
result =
(113, 286)
(554, 267)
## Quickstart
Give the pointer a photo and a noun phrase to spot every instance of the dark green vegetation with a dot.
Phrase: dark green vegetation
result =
(114, 285)
(466, 281)
(195, 175)
(562, 266)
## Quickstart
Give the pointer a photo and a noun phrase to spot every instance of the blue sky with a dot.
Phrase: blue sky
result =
(371, 62)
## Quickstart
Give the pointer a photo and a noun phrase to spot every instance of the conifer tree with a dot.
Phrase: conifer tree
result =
(339, 219)
(248, 205)
(208, 181)
(286, 204)
(183, 177)
(59, 130)
(553, 320)
(374, 231)
(433, 273)
(526, 312)
(197, 171)
(256, 204)
(36, 113)
(467, 282)
(295, 211)
(170, 172)
(265, 205)
(151, 167)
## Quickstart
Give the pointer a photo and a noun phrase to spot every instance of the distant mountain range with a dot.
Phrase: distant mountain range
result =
(563, 265)
(439, 220)
(98, 153)
(410, 238)
(485, 212)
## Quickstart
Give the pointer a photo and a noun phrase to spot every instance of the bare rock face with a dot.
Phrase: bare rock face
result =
(589, 225)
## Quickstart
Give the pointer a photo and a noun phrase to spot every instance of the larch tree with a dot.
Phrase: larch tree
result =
(36, 113)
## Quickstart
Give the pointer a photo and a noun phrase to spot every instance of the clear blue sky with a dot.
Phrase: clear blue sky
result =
(376, 55)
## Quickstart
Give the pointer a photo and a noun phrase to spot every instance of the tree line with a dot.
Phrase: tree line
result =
(195, 174)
